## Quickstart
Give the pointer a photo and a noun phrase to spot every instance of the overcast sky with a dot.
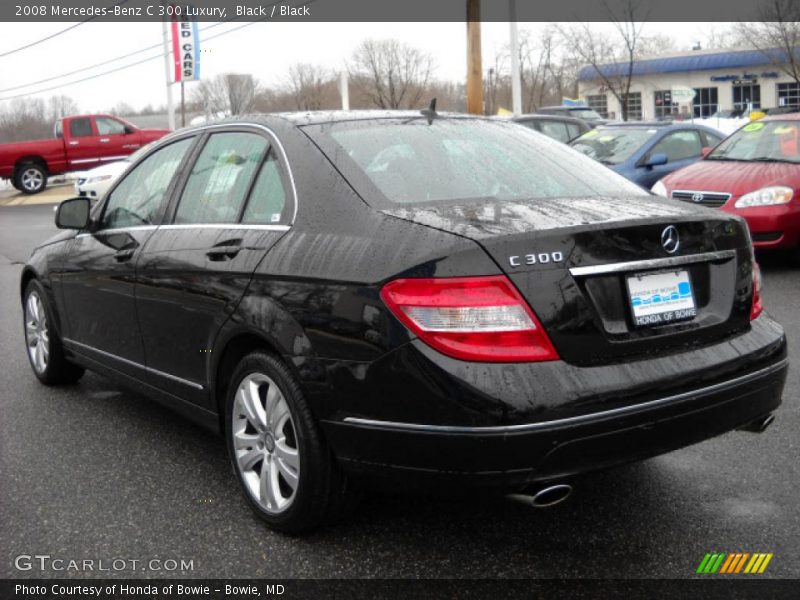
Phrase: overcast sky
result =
(264, 49)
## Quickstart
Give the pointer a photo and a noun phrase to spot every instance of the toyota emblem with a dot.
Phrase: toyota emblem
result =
(670, 240)
(697, 197)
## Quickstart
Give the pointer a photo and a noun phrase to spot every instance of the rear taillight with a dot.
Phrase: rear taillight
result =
(470, 318)
(757, 306)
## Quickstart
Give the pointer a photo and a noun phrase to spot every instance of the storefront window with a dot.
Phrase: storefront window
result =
(664, 106)
(705, 102)
(599, 103)
(789, 94)
(634, 100)
(746, 96)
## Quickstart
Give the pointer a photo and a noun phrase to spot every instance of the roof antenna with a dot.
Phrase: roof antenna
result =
(430, 112)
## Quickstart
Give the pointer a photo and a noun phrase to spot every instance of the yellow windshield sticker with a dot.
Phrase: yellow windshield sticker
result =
(591, 134)
(606, 138)
(784, 129)
(750, 127)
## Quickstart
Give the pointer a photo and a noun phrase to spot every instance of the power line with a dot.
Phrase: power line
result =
(134, 64)
(56, 34)
(128, 66)
(100, 64)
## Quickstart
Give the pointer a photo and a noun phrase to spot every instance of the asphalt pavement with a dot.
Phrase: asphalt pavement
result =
(93, 471)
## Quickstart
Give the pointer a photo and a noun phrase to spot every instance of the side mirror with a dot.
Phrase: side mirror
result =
(656, 160)
(704, 151)
(128, 130)
(73, 213)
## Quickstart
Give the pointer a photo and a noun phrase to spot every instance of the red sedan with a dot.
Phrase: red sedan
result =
(754, 173)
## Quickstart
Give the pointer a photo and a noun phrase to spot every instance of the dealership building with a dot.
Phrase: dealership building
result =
(722, 80)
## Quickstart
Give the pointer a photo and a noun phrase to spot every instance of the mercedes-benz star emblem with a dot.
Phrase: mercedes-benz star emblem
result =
(697, 197)
(670, 240)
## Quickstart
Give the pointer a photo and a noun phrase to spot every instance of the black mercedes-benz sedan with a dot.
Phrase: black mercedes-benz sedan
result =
(405, 299)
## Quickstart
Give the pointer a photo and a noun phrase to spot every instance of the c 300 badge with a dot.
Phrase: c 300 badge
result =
(541, 258)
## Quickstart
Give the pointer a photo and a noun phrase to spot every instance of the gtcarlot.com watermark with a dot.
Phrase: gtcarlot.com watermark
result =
(49, 563)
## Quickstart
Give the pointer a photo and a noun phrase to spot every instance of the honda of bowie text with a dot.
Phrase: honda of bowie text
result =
(409, 300)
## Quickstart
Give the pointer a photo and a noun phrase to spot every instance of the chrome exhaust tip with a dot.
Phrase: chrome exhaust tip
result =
(545, 497)
(759, 425)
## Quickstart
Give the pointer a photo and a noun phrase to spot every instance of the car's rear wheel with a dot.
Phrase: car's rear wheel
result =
(30, 178)
(44, 349)
(288, 474)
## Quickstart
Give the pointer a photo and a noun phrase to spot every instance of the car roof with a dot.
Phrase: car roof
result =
(538, 117)
(792, 116)
(656, 125)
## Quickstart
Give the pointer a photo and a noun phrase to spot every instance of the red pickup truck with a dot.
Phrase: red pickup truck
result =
(81, 142)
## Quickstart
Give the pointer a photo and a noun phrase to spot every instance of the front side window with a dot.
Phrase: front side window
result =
(460, 160)
(81, 127)
(137, 198)
(613, 145)
(679, 145)
(220, 179)
(763, 141)
(107, 126)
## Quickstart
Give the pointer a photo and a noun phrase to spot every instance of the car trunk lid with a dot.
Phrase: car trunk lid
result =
(575, 260)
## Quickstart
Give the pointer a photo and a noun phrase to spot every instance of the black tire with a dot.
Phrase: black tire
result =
(30, 178)
(56, 369)
(322, 493)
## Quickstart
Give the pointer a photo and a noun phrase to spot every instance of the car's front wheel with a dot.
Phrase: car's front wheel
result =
(30, 178)
(287, 472)
(45, 352)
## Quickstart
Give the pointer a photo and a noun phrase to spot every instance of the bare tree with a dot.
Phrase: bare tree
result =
(230, 93)
(311, 87)
(611, 58)
(777, 35)
(390, 73)
(60, 106)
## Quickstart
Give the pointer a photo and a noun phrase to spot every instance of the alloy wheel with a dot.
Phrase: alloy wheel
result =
(36, 332)
(265, 443)
(32, 179)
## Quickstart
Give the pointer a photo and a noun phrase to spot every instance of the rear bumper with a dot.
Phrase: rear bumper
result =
(629, 425)
(513, 456)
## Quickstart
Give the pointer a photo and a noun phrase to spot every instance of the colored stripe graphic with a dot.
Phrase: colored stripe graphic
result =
(732, 563)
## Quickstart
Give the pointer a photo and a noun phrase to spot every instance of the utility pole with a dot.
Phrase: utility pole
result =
(516, 83)
(170, 106)
(474, 69)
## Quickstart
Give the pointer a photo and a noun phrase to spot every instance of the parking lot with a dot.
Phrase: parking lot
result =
(94, 471)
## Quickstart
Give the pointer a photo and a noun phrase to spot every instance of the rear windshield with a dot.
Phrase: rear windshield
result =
(454, 159)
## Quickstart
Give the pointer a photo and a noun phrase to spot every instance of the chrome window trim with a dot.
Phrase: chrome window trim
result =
(614, 412)
(192, 384)
(655, 263)
(119, 230)
(225, 226)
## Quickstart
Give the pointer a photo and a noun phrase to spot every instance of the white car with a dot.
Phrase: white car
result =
(94, 182)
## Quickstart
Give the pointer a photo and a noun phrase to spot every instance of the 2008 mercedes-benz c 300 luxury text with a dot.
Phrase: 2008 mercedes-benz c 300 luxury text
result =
(411, 299)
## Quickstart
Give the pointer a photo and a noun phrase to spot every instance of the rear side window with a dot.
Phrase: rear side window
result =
(267, 201)
(80, 127)
(220, 179)
(137, 198)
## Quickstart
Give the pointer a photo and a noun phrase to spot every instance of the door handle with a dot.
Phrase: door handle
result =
(224, 250)
(104, 140)
(125, 254)
(73, 143)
